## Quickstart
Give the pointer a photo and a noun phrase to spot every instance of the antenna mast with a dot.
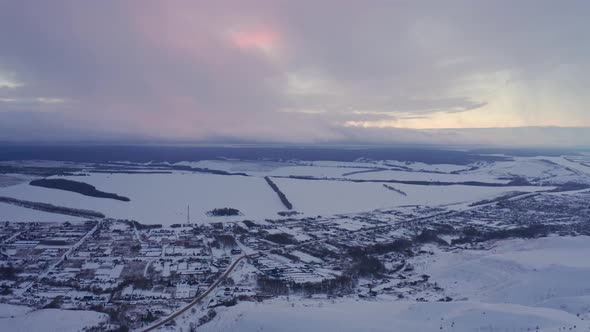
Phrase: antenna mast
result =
(188, 214)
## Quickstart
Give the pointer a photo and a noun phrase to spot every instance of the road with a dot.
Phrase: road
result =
(198, 298)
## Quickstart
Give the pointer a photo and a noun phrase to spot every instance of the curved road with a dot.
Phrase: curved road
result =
(198, 299)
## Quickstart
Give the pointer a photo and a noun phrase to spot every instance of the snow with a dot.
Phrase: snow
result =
(7, 180)
(333, 169)
(515, 285)
(162, 198)
(24, 319)
(316, 171)
(306, 257)
(566, 162)
(261, 168)
(555, 169)
(339, 197)
(418, 166)
(423, 176)
(13, 213)
(307, 315)
(538, 169)
(548, 272)
(547, 252)
(350, 225)
(8, 310)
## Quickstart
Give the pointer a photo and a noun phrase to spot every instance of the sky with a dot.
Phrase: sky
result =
(492, 72)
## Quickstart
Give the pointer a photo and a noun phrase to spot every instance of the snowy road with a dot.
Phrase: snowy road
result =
(196, 300)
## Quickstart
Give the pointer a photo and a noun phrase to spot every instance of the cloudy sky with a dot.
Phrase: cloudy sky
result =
(450, 72)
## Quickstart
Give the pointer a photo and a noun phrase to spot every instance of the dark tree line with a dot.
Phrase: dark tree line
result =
(226, 241)
(203, 170)
(77, 187)
(9, 272)
(139, 226)
(471, 235)
(342, 284)
(52, 208)
(281, 238)
(278, 191)
(224, 212)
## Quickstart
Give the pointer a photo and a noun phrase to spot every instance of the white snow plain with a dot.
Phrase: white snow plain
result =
(163, 198)
(518, 285)
(24, 319)
(15, 213)
(339, 197)
(160, 198)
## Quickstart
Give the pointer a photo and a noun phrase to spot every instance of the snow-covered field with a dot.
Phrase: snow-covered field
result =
(519, 285)
(349, 316)
(7, 180)
(552, 169)
(423, 176)
(386, 170)
(548, 272)
(538, 169)
(160, 198)
(332, 197)
(163, 198)
(24, 319)
(15, 213)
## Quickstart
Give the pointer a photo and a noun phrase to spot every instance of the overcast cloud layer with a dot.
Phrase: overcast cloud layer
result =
(296, 71)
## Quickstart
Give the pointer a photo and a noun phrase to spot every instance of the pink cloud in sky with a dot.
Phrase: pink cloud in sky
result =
(261, 38)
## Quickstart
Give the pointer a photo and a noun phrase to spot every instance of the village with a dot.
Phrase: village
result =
(140, 274)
